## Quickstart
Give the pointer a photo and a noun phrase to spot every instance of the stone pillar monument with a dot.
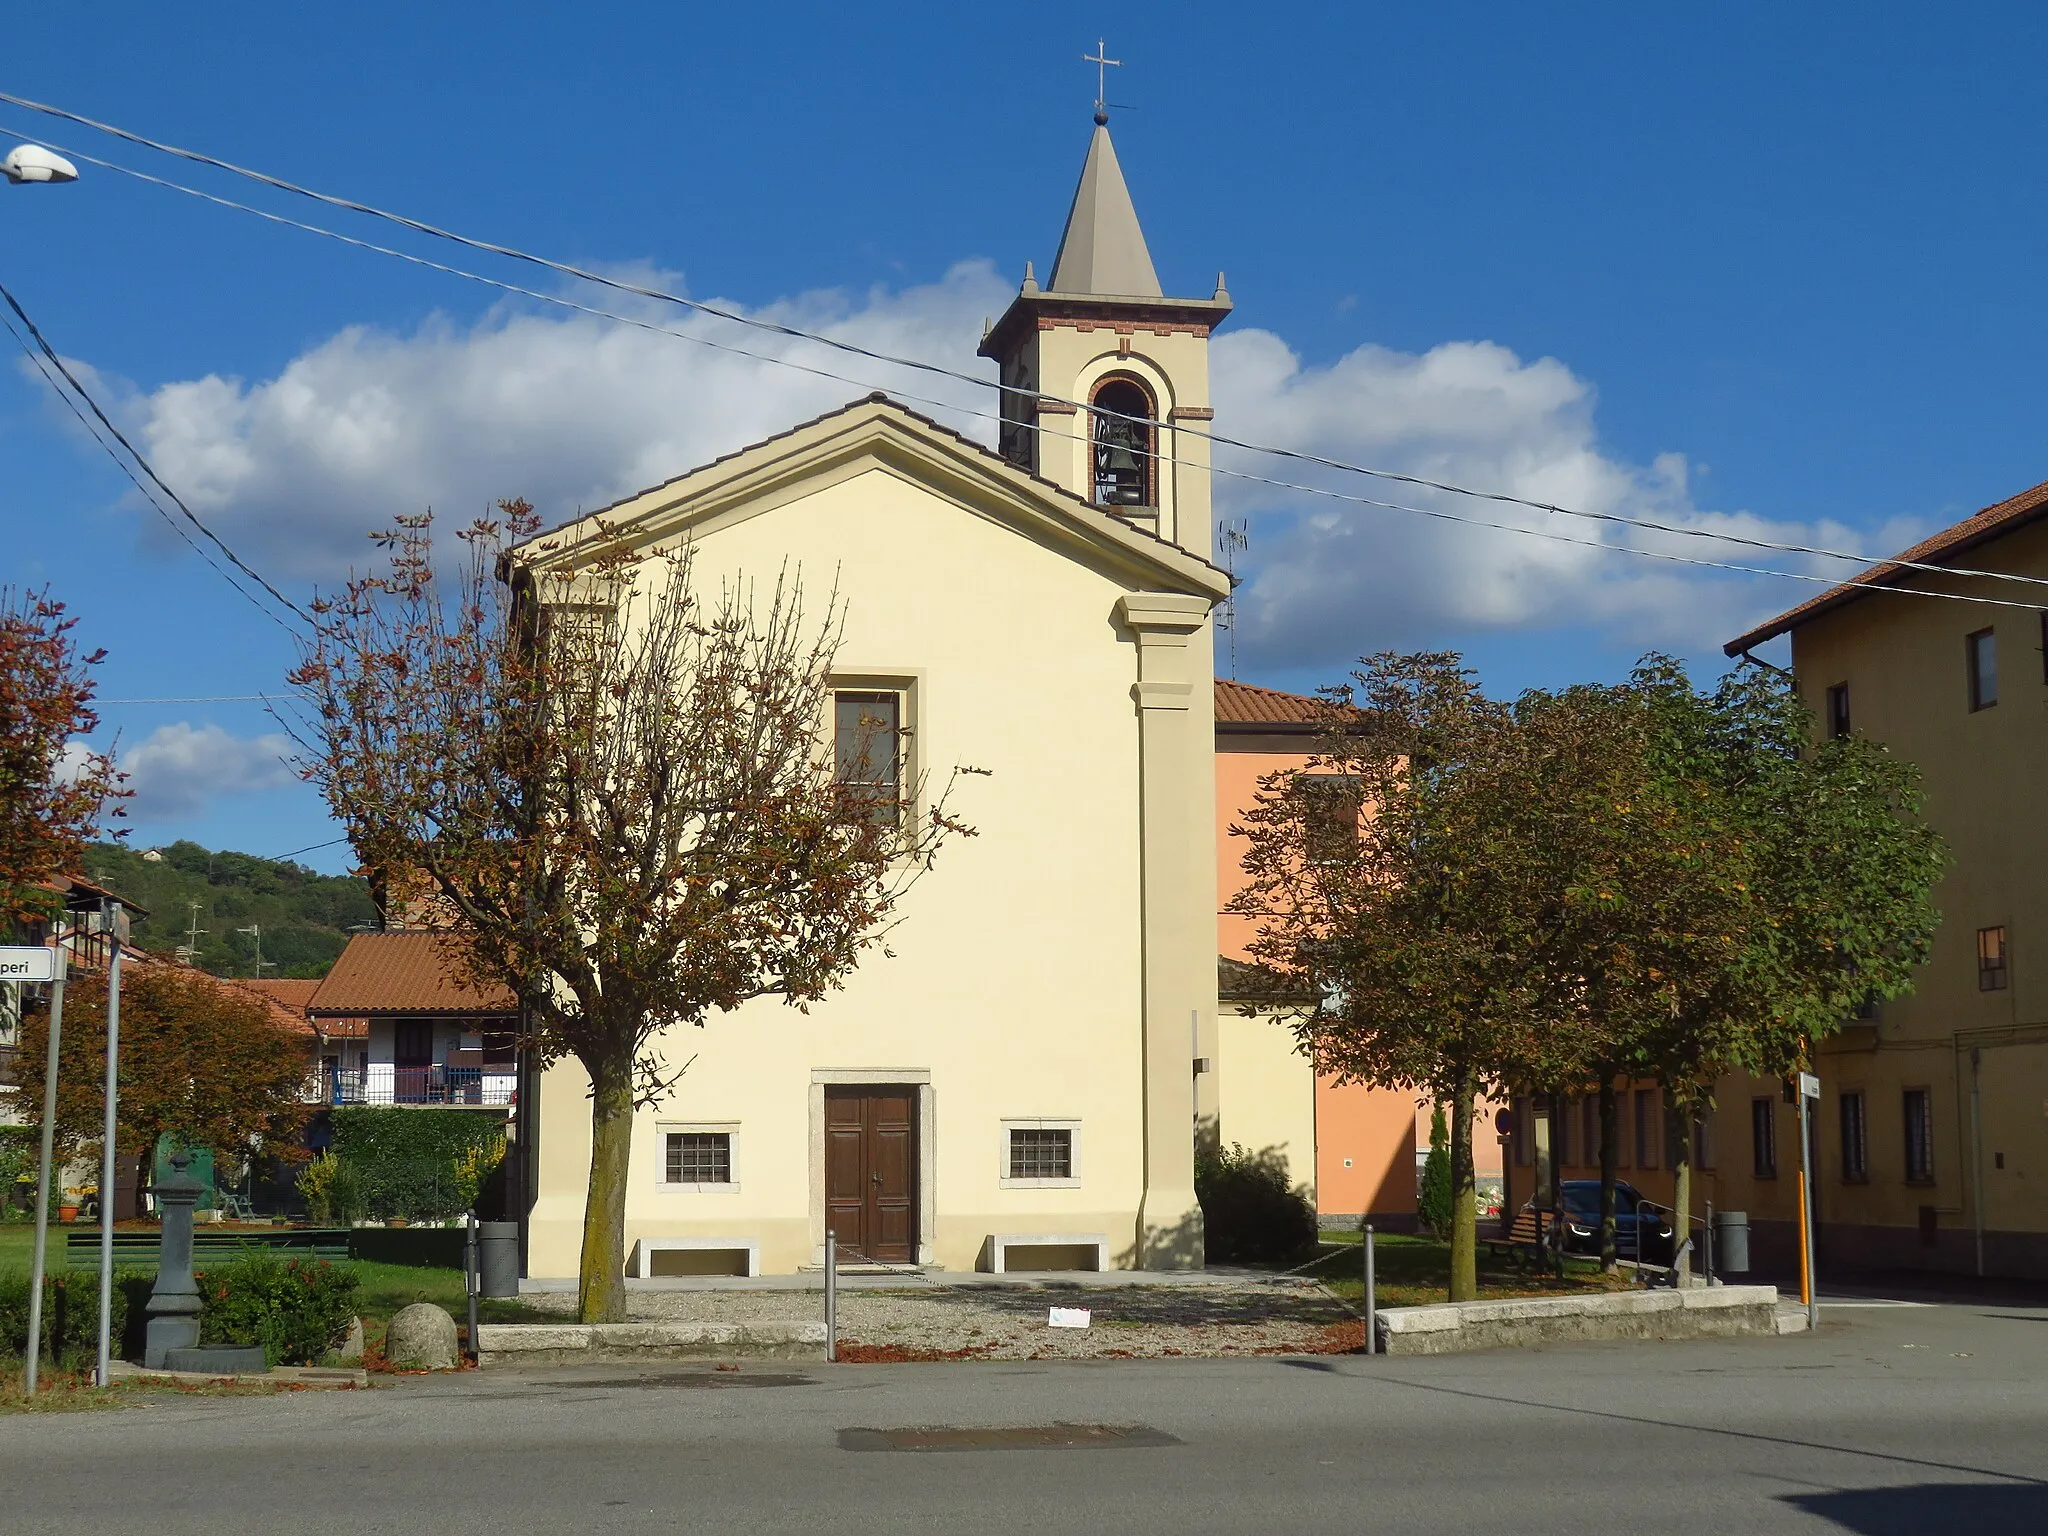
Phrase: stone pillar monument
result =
(174, 1304)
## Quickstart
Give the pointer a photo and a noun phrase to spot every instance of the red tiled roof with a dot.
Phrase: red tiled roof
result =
(288, 990)
(1242, 704)
(288, 1015)
(403, 973)
(1999, 518)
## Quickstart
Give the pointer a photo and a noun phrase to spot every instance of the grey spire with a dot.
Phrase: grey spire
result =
(1103, 249)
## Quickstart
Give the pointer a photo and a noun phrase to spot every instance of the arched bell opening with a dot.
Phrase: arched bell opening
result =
(1124, 457)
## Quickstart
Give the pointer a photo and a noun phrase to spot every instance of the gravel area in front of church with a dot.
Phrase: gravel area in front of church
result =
(934, 1322)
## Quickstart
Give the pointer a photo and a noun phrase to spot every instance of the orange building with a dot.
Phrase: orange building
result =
(1366, 1139)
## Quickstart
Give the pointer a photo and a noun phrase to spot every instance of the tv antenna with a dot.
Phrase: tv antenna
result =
(255, 931)
(1236, 538)
(189, 950)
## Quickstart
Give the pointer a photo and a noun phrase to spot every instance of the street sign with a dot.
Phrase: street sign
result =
(31, 962)
(1809, 1086)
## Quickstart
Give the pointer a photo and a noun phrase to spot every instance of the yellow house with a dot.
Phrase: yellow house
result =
(1932, 1134)
(1015, 1087)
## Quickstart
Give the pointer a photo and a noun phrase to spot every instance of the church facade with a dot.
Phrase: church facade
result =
(1015, 1086)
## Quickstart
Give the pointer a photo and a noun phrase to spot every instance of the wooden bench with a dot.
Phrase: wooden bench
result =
(1527, 1242)
(143, 1250)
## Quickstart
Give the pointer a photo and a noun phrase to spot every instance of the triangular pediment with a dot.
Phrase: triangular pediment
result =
(877, 433)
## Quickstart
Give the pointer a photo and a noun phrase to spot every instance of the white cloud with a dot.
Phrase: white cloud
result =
(574, 412)
(180, 767)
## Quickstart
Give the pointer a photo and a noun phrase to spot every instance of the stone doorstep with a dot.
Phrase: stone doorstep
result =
(1445, 1327)
(568, 1343)
(299, 1375)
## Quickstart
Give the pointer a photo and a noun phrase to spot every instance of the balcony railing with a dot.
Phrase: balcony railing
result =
(383, 1084)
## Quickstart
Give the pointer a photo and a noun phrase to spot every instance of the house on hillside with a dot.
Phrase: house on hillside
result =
(397, 1024)
(1015, 1087)
(1932, 1136)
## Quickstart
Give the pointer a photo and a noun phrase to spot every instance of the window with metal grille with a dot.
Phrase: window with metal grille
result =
(1041, 1154)
(700, 1157)
(1838, 710)
(867, 729)
(1763, 1137)
(1919, 1105)
(1855, 1145)
(1991, 965)
(1982, 648)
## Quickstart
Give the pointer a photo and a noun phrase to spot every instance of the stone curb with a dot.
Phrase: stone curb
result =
(1722, 1312)
(296, 1375)
(571, 1343)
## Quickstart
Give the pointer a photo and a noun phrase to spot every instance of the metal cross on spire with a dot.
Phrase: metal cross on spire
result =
(1103, 64)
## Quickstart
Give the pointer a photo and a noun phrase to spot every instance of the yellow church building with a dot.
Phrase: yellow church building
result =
(1015, 1086)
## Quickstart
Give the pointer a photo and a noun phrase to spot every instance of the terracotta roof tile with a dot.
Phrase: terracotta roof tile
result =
(1242, 704)
(403, 973)
(1999, 518)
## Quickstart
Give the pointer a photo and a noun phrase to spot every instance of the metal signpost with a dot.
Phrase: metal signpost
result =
(37, 964)
(114, 924)
(1809, 1094)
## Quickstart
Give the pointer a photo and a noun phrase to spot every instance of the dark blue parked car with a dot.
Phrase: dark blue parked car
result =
(1582, 1220)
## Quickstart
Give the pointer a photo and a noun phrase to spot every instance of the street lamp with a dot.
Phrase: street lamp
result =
(32, 162)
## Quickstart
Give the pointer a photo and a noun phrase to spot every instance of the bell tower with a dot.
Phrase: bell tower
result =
(1105, 381)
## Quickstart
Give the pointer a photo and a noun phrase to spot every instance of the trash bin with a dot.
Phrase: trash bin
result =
(497, 1245)
(1731, 1243)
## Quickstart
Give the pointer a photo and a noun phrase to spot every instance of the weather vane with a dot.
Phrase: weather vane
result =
(1103, 64)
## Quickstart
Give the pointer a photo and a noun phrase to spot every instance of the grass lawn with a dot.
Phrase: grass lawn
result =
(1414, 1271)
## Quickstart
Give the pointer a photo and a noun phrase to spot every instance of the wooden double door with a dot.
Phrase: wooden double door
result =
(871, 1172)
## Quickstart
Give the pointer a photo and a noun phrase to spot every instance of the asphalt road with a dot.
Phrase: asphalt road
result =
(1921, 1419)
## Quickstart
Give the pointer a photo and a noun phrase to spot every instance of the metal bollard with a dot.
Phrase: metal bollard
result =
(1372, 1343)
(831, 1294)
(472, 1275)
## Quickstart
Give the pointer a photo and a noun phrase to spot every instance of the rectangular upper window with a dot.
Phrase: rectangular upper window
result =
(1992, 970)
(1704, 1154)
(699, 1157)
(1855, 1145)
(1331, 804)
(1763, 1137)
(1646, 1127)
(1919, 1107)
(867, 749)
(1982, 651)
(1838, 710)
(1038, 1153)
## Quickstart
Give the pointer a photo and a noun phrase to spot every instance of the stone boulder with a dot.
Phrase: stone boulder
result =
(421, 1338)
(350, 1350)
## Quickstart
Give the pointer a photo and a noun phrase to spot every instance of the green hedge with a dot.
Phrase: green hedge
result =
(71, 1316)
(18, 1148)
(299, 1310)
(422, 1164)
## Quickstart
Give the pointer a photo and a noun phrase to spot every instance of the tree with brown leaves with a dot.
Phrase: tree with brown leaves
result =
(202, 1060)
(621, 795)
(52, 796)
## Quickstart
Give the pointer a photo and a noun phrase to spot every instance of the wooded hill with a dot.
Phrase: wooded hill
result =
(306, 917)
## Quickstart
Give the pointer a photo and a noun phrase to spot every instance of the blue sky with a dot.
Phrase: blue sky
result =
(1757, 266)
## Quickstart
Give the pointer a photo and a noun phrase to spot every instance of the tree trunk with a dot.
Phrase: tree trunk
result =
(601, 1282)
(1678, 1116)
(1464, 1198)
(1608, 1157)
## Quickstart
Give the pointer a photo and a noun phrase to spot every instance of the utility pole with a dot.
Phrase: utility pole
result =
(114, 924)
(255, 931)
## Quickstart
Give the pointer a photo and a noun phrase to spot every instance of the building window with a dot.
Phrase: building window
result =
(1991, 966)
(1983, 654)
(867, 751)
(1039, 1152)
(1838, 710)
(1855, 1145)
(699, 1157)
(1562, 1115)
(1520, 1142)
(1646, 1127)
(1330, 807)
(1590, 1139)
(1763, 1137)
(1123, 471)
(1919, 1136)
(1704, 1154)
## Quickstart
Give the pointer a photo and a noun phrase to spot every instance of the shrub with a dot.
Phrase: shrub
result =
(1433, 1194)
(71, 1314)
(333, 1191)
(297, 1310)
(17, 1172)
(1249, 1212)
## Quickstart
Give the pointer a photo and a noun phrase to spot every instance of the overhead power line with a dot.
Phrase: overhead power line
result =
(78, 388)
(214, 698)
(777, 328)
